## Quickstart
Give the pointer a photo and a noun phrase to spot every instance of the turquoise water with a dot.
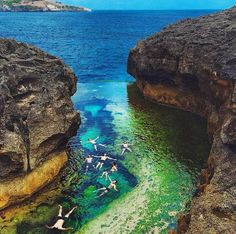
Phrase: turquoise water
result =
(169, 148)
(155, 182)
(157, 179)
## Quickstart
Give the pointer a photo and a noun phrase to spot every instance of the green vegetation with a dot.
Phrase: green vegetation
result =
(9, 2)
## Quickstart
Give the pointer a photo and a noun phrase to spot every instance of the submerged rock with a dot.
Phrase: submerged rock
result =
(192, 65)
(36, 115)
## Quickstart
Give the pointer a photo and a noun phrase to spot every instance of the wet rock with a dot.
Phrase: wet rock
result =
(192, 65)
(36, 112)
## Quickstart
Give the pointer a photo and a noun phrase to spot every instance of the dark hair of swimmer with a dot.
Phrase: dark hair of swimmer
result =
(114, 163)
(114, 181)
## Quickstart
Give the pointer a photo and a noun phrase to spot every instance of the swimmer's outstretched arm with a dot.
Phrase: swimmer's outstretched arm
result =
(49, 227)
(96, 138)
(112, 158)
(96, 156)
(110, 179)
(69, 213)
(60, 210)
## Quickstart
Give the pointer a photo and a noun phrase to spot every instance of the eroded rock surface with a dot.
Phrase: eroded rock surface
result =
(36, 112)
(192, 65)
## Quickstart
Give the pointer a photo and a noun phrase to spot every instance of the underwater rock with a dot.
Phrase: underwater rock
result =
(191, 65)
(36, 113)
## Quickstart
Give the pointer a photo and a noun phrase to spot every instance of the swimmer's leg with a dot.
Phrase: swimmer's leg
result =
(102, 193)
(101, 165)
(86, 169)
(95, 147)
(65, 229)
(123, 151)
(100, 189)
(129, 149)
(107, 176)
(98, 165)
(104, 173)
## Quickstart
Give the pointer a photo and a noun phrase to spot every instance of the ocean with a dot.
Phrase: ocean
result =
(157, 179)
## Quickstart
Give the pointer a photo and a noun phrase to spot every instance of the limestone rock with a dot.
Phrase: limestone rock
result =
(36, 112)
(192, 65)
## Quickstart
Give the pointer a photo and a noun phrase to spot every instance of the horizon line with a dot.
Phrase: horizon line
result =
(159, 9)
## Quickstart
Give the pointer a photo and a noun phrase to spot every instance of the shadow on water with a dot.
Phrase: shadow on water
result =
(184, 133)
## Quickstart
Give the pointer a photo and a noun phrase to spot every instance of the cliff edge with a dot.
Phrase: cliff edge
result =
(36, 119)
(191, 65)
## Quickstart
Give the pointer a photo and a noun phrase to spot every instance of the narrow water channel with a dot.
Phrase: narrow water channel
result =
(157, 179)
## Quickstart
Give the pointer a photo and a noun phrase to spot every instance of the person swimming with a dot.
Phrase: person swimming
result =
(88, 161)
(102, 160)
(106, 174)
(125, 147)
(111, 186)
(114, 167)
(95, 144)
(61, 220)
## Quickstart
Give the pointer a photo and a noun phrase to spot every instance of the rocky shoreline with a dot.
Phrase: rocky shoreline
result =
(191, 65)
(38, 6)
(37, 119)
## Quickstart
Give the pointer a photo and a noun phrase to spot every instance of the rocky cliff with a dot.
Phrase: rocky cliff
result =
(36, 119)
(192, 65)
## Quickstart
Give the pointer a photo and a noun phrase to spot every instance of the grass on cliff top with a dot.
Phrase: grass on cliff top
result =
(9, 2)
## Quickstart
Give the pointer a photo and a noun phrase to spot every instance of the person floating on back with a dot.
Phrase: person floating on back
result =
(88, 161)
(102, 160)
(95, 144)
(125, 147)
(61, 220)
(113, 169)
(111, 186)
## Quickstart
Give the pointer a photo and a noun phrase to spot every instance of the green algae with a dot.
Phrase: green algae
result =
(169, 148)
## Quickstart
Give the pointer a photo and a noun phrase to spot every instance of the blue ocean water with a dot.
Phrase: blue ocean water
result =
(169, 146)
(96, 44)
